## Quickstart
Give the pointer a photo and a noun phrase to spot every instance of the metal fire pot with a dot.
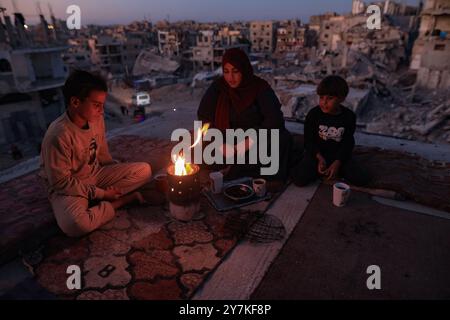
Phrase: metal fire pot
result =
(184, 193)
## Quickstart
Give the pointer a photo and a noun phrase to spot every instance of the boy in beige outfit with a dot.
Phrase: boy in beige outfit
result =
(84, 184)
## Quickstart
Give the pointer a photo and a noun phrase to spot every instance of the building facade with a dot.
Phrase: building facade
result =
(263, 36)
(31, 78)
(431, 50)
(168, 43)
(211, 45)
(290, 36)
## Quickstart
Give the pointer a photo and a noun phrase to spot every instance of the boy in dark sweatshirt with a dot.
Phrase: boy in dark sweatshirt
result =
(329, 141)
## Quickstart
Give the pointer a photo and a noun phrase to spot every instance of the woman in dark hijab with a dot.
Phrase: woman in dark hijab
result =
(241, 100)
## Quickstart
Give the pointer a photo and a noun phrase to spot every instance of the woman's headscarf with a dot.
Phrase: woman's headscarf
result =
(239, 98)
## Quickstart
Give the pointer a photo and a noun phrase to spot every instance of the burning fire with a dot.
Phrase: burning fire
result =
(181, 167)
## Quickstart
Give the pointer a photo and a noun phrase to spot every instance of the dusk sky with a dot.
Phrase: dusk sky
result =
(126, 11)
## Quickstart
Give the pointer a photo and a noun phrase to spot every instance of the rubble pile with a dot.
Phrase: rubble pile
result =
(422, 116)
(385, 102)
(149, 62)
(385, 49)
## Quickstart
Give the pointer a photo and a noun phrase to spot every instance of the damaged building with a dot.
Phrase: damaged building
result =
(211, 45)
(431, 50)
(263, 36)
(114, 54)
(341, 34)
(380, 72)
(31, 77)
(290, 36)
(168, 43)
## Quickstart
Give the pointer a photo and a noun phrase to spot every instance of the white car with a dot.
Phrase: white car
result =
(140, 99)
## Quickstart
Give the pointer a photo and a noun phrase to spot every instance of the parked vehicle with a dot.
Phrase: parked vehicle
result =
(140, 99)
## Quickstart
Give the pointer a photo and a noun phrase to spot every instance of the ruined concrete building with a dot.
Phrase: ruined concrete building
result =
(358, 7)
(229, 37)
(341, 34)
(290, 36)
(431, 50)
(115, 55)
(315, 22)
(263, 36)
(31, 76)
(168, 43)
(78, 56)
(331, 33)
(398, 9)
(211, 45)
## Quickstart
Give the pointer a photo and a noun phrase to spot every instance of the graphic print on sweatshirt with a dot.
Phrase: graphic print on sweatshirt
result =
(331, 133)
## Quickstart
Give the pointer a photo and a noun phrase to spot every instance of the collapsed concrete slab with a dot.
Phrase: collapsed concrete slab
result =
(149, 62)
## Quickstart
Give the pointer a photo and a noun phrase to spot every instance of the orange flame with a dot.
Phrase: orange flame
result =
(180, 165)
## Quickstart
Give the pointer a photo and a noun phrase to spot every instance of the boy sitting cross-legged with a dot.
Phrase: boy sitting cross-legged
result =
(329, 141)
(84, 184)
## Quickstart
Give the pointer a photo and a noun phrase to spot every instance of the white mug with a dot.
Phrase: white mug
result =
(216, 182)
(341, 194)
(259, 185)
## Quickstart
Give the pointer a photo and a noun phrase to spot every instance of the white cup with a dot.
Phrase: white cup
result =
(341, 194)
(216, 182)
(259, 186)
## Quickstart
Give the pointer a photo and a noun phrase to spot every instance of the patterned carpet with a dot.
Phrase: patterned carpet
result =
(26, 217)
(143, 254)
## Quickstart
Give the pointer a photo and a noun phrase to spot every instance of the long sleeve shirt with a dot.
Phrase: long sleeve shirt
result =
(331, 135)
(71, 156)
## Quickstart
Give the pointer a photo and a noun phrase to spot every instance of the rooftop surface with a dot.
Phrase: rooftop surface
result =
(324, 253)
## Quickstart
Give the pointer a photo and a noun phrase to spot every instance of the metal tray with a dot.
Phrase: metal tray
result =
(222, 203)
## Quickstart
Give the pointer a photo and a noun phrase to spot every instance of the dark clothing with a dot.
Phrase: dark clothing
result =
(263, 113)
(306, 172)
(331, 135)
(241, 97)
(238, 99)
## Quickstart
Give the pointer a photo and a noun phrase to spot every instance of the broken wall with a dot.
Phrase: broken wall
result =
(437, 55)
(433, 79)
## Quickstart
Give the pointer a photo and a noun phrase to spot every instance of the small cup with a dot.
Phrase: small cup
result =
(341, 194)
(216, 182)
(162, 184)
(260, 188)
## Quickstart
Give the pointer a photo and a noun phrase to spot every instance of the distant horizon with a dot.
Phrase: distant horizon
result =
(119, 12)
